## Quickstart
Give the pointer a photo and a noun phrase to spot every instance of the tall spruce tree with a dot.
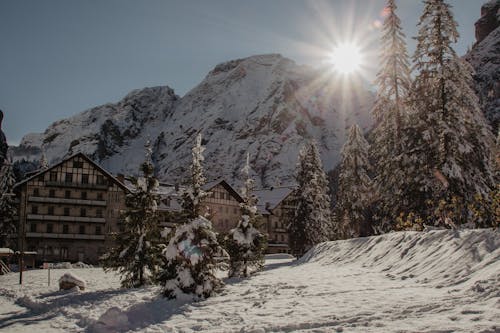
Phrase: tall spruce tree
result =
(136, 254)
(355, 186)
(448, 138)
(189, 261)
(390, 110)
(8, 208)
(245, 243)
(312, 221)
(193, 194)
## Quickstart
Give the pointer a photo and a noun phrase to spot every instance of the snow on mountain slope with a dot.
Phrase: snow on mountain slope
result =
(437, 281)
(266, 104)
(485, 58)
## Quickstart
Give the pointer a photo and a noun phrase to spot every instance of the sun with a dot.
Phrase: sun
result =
(346, 58)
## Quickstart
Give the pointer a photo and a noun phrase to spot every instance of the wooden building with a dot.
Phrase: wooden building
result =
(68, 211)
(276, 205)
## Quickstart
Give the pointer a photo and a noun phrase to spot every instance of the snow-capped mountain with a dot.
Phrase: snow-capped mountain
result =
(485, 58)
(265, 104)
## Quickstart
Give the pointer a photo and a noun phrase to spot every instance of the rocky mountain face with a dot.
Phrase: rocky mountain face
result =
(485, 58)
(266, 105)
(3, 142)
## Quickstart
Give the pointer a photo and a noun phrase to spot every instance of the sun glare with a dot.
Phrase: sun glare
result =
(346, 58)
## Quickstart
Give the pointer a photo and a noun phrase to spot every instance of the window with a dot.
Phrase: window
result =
(83, 212)
(53, 176)
(220, 209)
(41, 178)
(99, 196)
(52, 193)
(36, 192)
(67, 194)
(85, 179)
(65, 229)
(50, 228)
(81, 230)
(84, 196)
(34, 209)
(50, 210)
(33, 227)
(212, 195)
(77, 164)
(101, 180)
(98, 213)
(69, 177)
(98, 230)
(64, 253)
(66, 211)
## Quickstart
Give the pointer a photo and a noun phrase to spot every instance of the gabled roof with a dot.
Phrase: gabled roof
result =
(210, 185)
(270, 198)
(82, 155)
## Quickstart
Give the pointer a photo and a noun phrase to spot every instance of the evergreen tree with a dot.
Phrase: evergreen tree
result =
(136, 253)
(447, 136)
(393, 82)
(311, 223)
(189, 261)
(355, 186)
(245, 243)
(193, 195)
(8, 208)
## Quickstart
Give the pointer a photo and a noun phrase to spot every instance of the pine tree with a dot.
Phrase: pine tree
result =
(245, 243)
(312, 222)
(189, 261)
(447, 135)
(355, 186)
(44, 164)
(136, 253)
(8, 208)
(393, 82)
(193, 195)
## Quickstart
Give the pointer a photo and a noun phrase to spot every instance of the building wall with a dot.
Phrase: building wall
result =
(68, 212)
(223, 208)
(277, 226)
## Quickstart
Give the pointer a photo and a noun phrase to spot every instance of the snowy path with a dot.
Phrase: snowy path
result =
(439, 281)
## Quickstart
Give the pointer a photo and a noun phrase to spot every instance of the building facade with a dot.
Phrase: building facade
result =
(67, 212)
(276, 205)
(222, 205)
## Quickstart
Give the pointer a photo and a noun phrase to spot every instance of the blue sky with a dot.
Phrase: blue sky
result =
(60, 57)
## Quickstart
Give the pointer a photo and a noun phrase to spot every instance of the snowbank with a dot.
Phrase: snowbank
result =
(446, 257)
(70, 279)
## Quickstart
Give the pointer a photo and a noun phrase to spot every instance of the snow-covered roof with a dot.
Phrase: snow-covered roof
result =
(270, 198)
(5, 250)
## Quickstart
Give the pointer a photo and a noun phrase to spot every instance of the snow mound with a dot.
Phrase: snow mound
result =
(441, 257)
(72, 279)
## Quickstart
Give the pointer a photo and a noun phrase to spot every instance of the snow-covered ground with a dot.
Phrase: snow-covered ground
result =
(438, 281)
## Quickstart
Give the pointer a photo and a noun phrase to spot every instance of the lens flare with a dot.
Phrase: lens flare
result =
(347, 58)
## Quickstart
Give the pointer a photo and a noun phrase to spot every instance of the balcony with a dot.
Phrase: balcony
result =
(82, 202)
(77, 185)
(58, 218)
(64, 236)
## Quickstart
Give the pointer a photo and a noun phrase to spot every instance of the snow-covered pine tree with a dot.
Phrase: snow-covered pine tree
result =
(245, 243)
(393, 82)
(136, 254)
(193, 195)
(8, 208)
(448, 136)
(189, 262)
(44, 164)
(312, 221)
(355, 186)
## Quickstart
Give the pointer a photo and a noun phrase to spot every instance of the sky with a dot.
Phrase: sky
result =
(61, 57)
